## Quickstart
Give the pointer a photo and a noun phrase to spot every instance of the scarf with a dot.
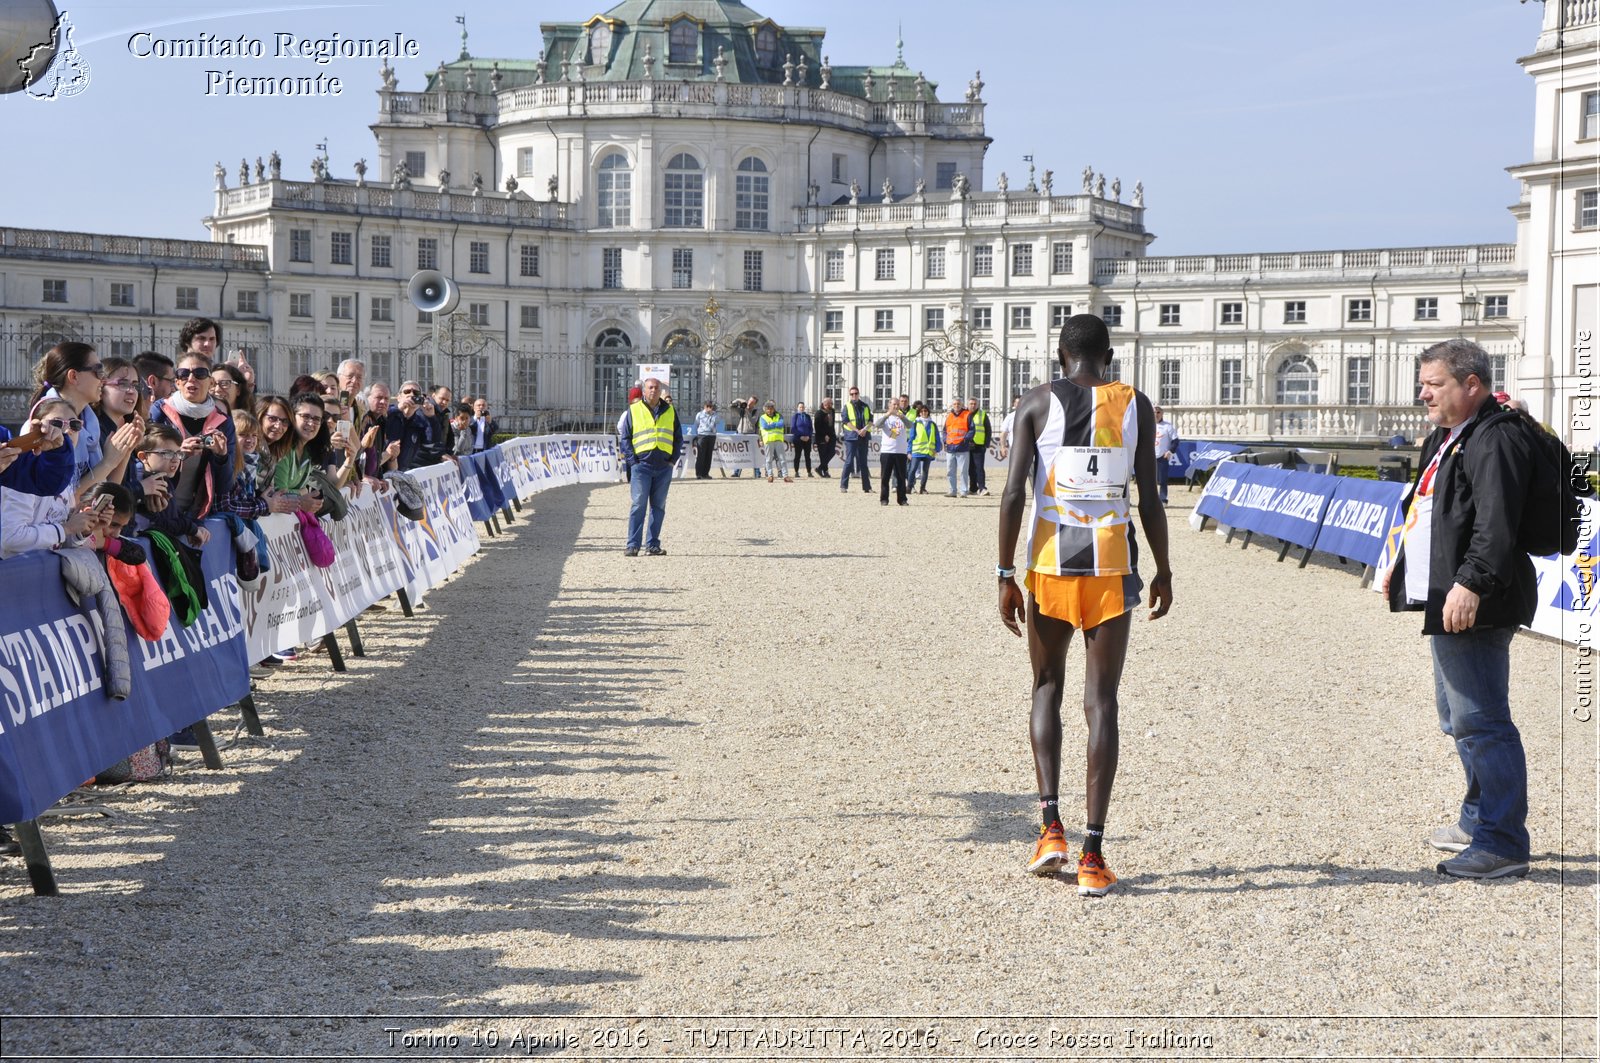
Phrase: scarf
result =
(198, 410)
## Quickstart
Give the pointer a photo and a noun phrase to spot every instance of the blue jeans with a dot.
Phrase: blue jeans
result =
(1163, 474)
(920, 463)
(650, 483)
(956, 466)
(1471, 682)
(855, 457)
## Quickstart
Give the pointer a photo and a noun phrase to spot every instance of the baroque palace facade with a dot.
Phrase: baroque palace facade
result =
(685, 181)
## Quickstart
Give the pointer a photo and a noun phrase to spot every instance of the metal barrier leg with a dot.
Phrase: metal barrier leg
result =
(331, 644)
(252, 719)
(356, 649)
(1285, 551)
(40, 873)
(208, 745)
(405, 602)
(506, 512)
(1246, 544)
(1305, 557)
(488, 529)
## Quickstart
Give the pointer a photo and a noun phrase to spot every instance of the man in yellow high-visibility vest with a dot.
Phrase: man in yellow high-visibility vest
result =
(649, 439)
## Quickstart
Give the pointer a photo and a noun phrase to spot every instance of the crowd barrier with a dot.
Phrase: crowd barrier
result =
(59, 724)
(1361, 520)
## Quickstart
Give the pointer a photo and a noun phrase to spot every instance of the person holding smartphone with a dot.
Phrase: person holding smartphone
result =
(209, 455)
(31, 520)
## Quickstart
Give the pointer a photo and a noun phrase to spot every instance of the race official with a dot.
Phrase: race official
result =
(650, 441)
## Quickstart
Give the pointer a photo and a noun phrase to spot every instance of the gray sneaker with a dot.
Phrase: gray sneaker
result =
(1482, 864)
(1451, 839)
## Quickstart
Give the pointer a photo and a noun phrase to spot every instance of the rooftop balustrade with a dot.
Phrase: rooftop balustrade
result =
(1218, 268)
(939, 209)
(137, 250)
(348, 197)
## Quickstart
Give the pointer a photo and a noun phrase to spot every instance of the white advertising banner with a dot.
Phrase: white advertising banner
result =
(1567, 598)
(661, 372)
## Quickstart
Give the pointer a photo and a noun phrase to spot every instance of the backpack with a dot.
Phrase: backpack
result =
(1554, 510)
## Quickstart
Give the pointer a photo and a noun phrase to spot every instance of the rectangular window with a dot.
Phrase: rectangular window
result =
(933, 319)
(478, 257)
(1170, 314)
(882, 383)
(478, 375)
(1294, 312)
(530, 317)
(417, 165)
(382, 308)
(933, 384)
(1589, 208)
(1022, 260)
(884, 270)
(380, 365)
(752, 271)
(611, 267)
(1019, 378)
(1114, 373)
(833, 381)
(883, 321)
(341, 307)
(683, 267)
(186, 298)
(982, 318)
(381, 248)
(1589, 125)
(526, 383)
(478, 314)
(1359, 310)
(424, 317)
(1021, 318)
(1059, 314)
(530, 260)
(983, 261)
(124, 349)
(1111, 314)
(944, 175)
(122, 294)
(1428, 308)
(299, 245)
(1497, 372)
(1233, 313)
(427, 252)
(1060, 257)
(1168, 394)
(248, 303)
(299, 361)
(339, 248)
(1232, 391)
(981, 381)
(833, 265)
(1497, 306)
(1358, 381)
(935, 263)
(839, 170)
(524, 162)
(299, 304)
(833, 321)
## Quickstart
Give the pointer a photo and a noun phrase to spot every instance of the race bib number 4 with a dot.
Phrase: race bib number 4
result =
(1091, 473)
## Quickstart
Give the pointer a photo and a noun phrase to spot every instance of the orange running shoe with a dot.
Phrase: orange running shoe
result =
(1051, 852)
(1094, 879)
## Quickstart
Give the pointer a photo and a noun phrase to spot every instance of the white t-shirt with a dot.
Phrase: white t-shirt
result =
(1006, 425)
(894, 434)
(1419, 524)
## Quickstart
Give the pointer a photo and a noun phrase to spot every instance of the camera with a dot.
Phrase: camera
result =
(206, 439)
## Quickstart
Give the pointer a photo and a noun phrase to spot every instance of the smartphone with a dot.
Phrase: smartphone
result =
(102, 503)
(344, 428)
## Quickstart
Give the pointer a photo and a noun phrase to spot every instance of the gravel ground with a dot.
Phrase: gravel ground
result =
(784, 772)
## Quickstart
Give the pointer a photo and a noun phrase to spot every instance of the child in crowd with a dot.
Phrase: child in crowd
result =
(160, 454)
(464, 438)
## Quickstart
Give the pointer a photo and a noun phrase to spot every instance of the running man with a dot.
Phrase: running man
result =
(1082, 439)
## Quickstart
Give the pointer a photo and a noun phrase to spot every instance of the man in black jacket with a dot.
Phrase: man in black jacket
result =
(1459, 564)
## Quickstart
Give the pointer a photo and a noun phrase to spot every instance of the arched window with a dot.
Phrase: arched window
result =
(600, 44)
(751, 365)
(750, 194)
(1297, 381)
(685, 193)
(682, 43)
(615, 186)
(613, 372)
(766, 46)
(682, 350)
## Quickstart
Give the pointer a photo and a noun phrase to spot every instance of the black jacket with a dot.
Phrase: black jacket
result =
(822, 428)
(1480, 490)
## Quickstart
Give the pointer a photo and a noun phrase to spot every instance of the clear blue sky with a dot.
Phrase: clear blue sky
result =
(1254, 124)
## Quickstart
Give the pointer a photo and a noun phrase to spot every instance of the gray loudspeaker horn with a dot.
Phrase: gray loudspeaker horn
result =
(432, 291)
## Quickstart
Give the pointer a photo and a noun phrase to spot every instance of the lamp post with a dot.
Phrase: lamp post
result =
(1470, 308)
(958, 345)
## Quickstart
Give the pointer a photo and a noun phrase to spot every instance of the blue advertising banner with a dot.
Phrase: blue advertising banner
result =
(1202, 456)
(481, 483)
(58, 726)
(493, 477)
(1219, 491)
(1359, 519)
(1285, 505)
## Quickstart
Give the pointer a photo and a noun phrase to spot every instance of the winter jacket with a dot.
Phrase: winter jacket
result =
(90, 588)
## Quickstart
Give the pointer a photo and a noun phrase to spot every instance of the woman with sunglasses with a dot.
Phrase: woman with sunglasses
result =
(72, 371)
(47, 521)
(229, 387)
(209, 450)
